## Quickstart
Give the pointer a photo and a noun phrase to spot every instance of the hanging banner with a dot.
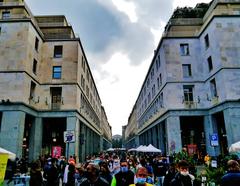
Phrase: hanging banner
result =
(56, 151)
(3, 166)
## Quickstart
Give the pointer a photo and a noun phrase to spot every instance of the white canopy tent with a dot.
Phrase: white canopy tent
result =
(151, 148)
(141, 148)
(132, 149)
(11, 155)
(110, 149)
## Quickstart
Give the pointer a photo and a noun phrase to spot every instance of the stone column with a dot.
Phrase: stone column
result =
(71, 125)
(35, 141)
(174, 140)
(161, 128)
(12, 131)
(154, 136)
(82, 151)
(210, 128)
(232, 124)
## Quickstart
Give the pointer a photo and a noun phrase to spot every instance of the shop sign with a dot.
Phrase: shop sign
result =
(56, 151)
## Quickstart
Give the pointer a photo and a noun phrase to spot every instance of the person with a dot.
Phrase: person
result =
(51, 174)
(170, 174)
(92, 177)
(183, 177)
(104, 172)
(114, 166)
(132, 165)
(71, 175)
(160, 169)
(125, 177)
(232, 177)
(36, 178)
(141, 177)
(207, 159)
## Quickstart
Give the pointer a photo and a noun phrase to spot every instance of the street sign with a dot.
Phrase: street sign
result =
(214, 140)
(69, 136)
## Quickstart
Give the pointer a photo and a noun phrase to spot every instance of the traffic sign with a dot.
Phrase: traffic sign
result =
(214, 140)
(69, 136)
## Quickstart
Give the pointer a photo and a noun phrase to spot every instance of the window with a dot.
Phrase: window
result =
(206, 40)
(57, 72)
(34, 69)
(184, 49)
(58, 51)
(210, 65)
(83, 64)
(32, 90)
(56, 93)
(213, 88)
(36, 43)
(153, 91)
(161, 100)
(6, 15)
(186, 70)
(188, 92)
(82, 82)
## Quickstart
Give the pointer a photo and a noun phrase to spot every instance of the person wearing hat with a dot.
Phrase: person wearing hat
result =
(232, 177)
(125, 177)
(92, 177)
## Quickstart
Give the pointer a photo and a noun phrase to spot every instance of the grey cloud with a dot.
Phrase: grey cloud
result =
(104, 30)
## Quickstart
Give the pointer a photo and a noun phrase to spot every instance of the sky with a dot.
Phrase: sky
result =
(119, 38)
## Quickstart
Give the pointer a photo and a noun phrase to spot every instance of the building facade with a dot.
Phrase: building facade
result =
(46, 87)
(190, 96)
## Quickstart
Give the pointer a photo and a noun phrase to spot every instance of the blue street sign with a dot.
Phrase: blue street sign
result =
(214, 140)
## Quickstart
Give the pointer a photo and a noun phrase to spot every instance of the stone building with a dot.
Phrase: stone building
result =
(46, 86)
(190, 96)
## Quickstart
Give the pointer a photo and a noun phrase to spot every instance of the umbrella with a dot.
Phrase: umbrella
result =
(11, 155)
(235, 147)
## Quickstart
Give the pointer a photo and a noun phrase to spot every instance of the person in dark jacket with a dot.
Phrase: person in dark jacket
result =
(183, 178)
(125, 177)
(105, 172)
(232, 177)
(92, 177)
(71, 175)
(36, 178)
(51, 174)
(170, 174)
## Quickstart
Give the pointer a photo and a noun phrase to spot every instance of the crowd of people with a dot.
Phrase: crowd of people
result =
(111, 169)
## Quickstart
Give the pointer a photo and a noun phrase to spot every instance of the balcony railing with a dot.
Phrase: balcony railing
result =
(190, 104)
(14, 16)
(11, 3)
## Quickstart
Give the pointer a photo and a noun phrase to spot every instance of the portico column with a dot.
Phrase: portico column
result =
(71, 125)
(35, 142)
(174, 140)
(12, 131)
(210, 128)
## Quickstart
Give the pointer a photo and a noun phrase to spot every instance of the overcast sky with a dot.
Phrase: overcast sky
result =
(119, 37)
